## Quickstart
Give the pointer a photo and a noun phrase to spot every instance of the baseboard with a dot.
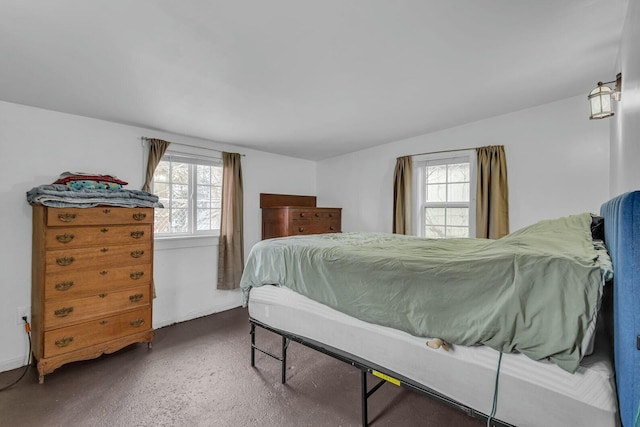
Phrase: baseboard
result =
(8, 365)
(195, 314)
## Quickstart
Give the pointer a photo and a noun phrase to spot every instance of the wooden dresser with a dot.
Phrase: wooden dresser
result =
(287, 215)
(92, 287)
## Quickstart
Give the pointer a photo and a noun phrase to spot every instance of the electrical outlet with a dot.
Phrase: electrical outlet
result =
(22, 312)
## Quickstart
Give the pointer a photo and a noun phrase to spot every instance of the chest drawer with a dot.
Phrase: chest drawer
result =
(300, 227)
(59, 313)
(316, 214)
(64, 217)
(100, 256)
(74, 237)
(75, 283)
(76, 337)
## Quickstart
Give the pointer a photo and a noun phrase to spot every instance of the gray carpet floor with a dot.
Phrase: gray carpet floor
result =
(198, 373)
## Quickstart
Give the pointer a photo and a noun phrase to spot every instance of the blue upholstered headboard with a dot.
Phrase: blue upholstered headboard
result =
(622, 237)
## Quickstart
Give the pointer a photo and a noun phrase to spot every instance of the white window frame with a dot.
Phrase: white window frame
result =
(419, 204)
(192, 157)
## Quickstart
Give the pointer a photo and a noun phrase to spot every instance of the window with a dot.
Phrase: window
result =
(190, 188)
(445, 187)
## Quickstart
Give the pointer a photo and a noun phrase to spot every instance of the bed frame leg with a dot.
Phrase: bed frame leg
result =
(253, 345)
(367, 393)
(284, 359)
(365, 417)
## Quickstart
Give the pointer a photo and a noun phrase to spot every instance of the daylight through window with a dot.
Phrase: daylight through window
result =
(445, 188)
(190, 189)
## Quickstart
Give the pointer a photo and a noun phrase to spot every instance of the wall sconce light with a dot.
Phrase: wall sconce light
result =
(600, 99)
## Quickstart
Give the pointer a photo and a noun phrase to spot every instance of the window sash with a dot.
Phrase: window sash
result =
(192, 204)
(420, 204)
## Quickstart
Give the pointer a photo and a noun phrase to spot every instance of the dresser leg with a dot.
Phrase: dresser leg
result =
(41, 370)
(149, 344)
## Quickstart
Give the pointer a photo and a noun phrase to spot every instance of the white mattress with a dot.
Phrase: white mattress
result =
(530, 393)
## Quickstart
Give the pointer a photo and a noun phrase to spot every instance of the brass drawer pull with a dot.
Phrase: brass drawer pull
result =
(63, 312)
(301, 229)
(104, 230)
(137, 322)
(137, 234)
(317, 215)
(103, 322)
(63, 342)
(331, 228)
(136, 297)
(64, 286)
(106, 211)
(64, 261)
(137, 254)
(330, 215)
(67, 217)
(64, 238)
(136, 275)
(103, 250)
(102, 295)
(139, 216)
(301, 214)
(104, 272)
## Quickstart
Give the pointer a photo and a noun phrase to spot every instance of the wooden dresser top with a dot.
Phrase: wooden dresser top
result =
(268, 200)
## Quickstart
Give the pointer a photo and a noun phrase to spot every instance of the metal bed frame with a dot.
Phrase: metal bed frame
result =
(366, 367)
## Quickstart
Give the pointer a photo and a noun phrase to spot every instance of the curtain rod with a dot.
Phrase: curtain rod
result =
(438, 152)
(144, 138)
(449, 151)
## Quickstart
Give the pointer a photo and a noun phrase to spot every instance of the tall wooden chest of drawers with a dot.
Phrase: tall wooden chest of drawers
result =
(92, 287)
(285, 215)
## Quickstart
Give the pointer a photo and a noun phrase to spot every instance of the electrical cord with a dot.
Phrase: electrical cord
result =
(495, 393)
(27, 329)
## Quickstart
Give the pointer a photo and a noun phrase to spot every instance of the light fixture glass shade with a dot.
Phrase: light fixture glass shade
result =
(600, 102)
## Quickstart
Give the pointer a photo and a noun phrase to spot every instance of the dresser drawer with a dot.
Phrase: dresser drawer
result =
(59, 313)
(314, 213)
(70, 338)
(65, 217)
(73, 237)
(75, 283)
(302, 227)
(97, 256)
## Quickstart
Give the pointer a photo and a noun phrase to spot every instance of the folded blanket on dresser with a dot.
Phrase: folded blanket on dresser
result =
(60, 195)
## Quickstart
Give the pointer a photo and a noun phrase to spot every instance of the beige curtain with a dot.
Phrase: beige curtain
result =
(402, 196)
(492, 203)
(157, 147)
(231, 248)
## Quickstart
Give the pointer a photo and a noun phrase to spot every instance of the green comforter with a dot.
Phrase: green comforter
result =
(534, 291)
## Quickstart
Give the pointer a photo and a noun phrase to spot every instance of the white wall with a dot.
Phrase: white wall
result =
(557, 160)
(625, 132)
(36, 145)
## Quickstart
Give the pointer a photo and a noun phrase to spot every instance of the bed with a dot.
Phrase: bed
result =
(551, 382)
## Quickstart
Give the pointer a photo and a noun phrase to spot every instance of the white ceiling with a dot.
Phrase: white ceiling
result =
(304, 78)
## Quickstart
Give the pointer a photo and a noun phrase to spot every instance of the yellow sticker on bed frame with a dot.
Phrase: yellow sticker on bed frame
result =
(385, 377)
